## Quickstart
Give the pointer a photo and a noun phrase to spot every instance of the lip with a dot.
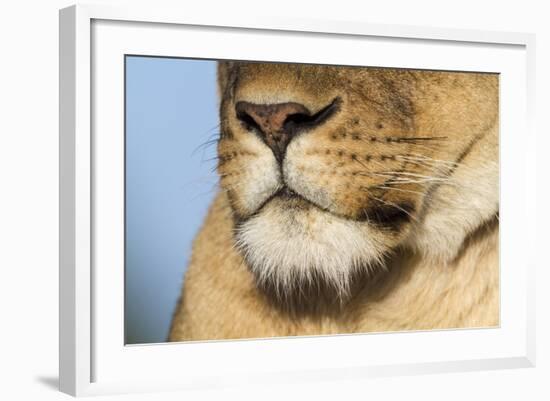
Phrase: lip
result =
(286, 192)
(294, 199)
(389, 217)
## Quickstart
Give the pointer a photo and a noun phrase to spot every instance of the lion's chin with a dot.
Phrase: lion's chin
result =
(290, 245)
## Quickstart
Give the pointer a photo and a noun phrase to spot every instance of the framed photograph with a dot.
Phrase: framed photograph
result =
(272, 201)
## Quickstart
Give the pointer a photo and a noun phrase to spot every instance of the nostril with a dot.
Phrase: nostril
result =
(297, 120)
(248, 120)
(306, 121)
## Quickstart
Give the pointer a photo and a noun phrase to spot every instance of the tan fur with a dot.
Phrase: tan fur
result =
(437, 267)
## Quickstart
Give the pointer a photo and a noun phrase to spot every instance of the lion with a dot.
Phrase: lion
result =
(351, 200)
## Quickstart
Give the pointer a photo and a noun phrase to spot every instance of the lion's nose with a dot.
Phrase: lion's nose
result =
(275, 123)
(278, 123)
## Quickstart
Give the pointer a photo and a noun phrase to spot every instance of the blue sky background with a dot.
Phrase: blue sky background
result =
(171, 109)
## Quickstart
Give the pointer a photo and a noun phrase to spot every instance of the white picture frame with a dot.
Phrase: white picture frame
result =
(93, 360)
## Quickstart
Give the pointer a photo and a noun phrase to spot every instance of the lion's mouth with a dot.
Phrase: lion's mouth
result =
(290, 199)
(388, 216)
(287, 193)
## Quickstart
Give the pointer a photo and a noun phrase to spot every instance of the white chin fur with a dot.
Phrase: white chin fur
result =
(289, 246)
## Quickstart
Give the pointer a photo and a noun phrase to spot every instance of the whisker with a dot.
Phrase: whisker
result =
(454, 204)
(395, 206)
(204, 146)
(419, 138)
(399, 189)
(398, 174)
(428, 161)
(212, 139)
(214, 187)
(420, 181)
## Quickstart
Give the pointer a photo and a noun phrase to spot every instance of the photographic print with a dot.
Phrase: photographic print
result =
(280, 199)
